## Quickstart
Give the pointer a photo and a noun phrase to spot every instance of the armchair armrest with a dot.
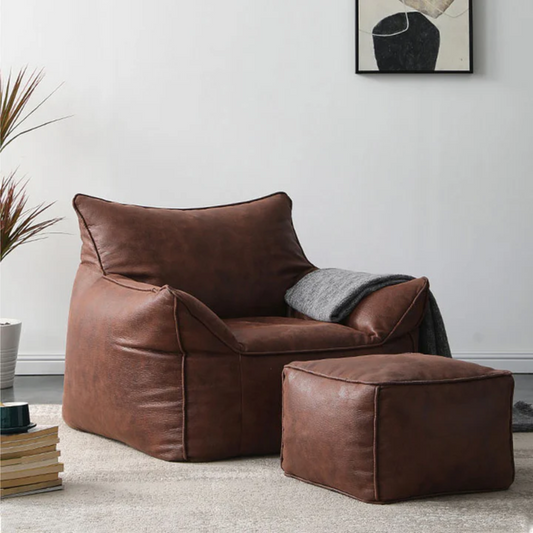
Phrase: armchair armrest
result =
(195, 315)
(392, 311)
(127, 346)
(388, 313)
(202, 330)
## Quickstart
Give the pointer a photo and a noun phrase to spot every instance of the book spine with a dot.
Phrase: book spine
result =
(39, 431)
(27, 453)
(26, 480)
(27, 459)
(28, 445)
(34, 488)
(24, 467)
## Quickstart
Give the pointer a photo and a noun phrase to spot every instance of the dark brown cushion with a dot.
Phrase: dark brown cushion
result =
(384, 428)
(238, 259)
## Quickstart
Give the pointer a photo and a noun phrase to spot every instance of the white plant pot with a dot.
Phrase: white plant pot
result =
(9, 347)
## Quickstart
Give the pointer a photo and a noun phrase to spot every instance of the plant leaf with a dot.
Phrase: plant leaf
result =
(18, 224)
(15, 96)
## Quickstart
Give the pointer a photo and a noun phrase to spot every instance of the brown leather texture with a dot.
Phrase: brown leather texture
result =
(389, 313)
(386, 428)
(152, 365)
(237, 259)
(124, 364)
(261, 390)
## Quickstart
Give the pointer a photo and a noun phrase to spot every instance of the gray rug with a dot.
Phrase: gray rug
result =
(522, 417)
(112, 488)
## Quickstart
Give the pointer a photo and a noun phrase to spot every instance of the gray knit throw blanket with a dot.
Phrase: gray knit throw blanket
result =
(331, 294)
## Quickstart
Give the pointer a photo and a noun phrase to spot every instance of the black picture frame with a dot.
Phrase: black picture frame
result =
(358, 70)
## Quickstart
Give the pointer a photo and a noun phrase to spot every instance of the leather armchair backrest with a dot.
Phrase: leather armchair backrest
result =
(237, 259)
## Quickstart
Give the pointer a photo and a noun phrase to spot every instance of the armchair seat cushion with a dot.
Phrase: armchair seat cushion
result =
(267, 335)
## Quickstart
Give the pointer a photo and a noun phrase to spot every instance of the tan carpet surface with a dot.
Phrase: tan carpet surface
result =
(112, 488)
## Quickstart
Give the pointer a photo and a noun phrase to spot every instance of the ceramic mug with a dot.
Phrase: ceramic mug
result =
(14, 415)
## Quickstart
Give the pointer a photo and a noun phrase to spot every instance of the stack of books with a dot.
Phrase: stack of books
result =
(30, 462)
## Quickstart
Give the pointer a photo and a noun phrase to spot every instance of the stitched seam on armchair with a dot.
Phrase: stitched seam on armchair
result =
(179, 301)
(126, 286)
(182, 377)
(317, 350)
(242, 406)
(421, 319)
(311, 266)
(375, 443)
(82, 218)
(282, 193)
(498, 374)
(206, 326)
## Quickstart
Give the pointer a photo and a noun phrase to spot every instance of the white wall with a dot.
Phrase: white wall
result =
(192, 103)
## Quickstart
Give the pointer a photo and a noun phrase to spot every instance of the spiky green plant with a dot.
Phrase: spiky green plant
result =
(15, 95)
(18, 223)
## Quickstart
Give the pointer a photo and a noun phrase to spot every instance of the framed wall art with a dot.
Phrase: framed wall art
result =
(413, 36)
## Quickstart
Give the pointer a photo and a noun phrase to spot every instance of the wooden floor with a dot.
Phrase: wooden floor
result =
(49, 389)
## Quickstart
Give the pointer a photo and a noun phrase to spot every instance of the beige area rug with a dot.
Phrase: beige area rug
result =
(112, 488)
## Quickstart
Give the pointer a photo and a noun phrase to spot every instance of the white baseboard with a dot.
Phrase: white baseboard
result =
(520, 363)
(40, 364)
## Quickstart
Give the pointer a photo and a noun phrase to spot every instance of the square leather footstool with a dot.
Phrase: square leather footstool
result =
(385, 428)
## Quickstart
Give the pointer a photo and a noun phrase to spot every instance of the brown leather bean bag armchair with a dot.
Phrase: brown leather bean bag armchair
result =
(178, 330)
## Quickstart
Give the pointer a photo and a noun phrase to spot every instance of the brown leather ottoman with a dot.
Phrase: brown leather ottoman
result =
(385, 428)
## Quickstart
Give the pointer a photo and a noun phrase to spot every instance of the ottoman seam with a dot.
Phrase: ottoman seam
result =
(182, 376)
(329, 487)
(242, 406)
(511, 443)
(282, 419)
(375, 443)
(397, 500)
(496, 374)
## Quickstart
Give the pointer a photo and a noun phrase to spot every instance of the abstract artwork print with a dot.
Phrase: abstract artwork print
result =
(413, 36)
